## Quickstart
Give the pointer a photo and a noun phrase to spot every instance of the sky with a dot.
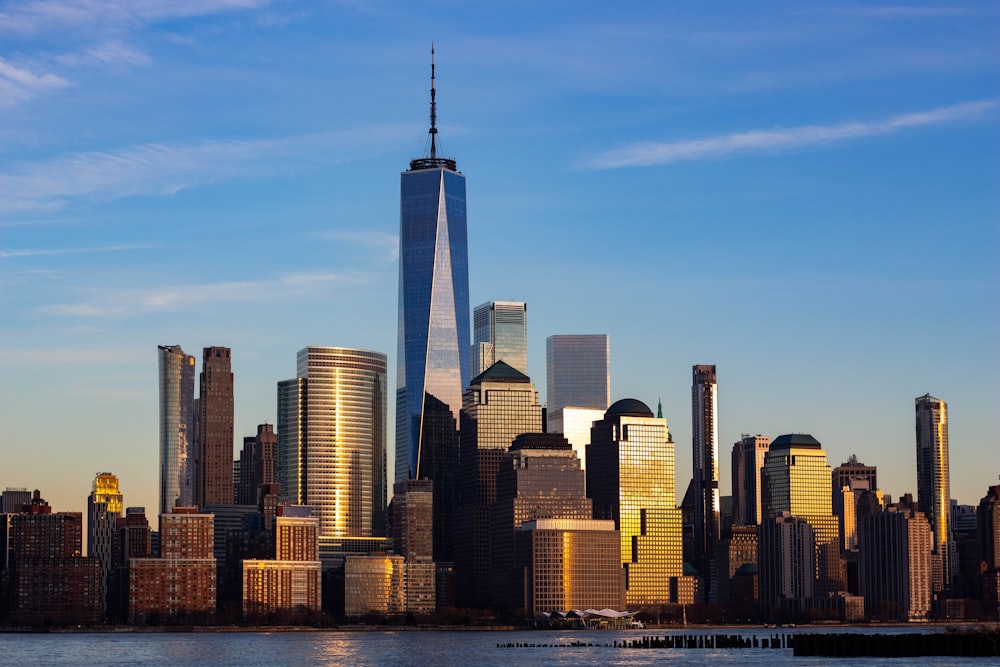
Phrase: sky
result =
(805, 195)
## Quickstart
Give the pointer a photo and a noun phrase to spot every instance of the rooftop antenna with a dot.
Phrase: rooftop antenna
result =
(434, 129)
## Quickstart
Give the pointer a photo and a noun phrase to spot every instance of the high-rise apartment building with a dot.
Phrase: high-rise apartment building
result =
(290, 582)
(332, 439)
(413, 538)
(748, 460)
(177, 427)
(12, 499)
(104, 508)
(433, 365)
(705, 460)
(630, 478)
(786, 563)
(796, 480)
(934, 482)
(183, 579)
(894, 553)
(578, 374)
(500, 404)
(213, 472)
(988, 534)
(500, 333)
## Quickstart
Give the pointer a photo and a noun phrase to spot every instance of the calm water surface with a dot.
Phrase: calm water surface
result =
(404, 649)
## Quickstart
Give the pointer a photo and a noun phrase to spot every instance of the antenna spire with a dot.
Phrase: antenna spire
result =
(433, 130)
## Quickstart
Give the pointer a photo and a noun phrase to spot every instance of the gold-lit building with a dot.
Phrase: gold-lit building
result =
(630, 477)
(292, 581)
(571, 564)
(934, 483)
(104, 508)
(374, 584)
(796, 479)
(332, 439)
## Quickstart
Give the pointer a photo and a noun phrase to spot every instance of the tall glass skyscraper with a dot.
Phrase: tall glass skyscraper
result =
(177, 417)
(433, 365)
(331, 439)
(500, 333)
(578, 374)
(705, 460)
(934, 481)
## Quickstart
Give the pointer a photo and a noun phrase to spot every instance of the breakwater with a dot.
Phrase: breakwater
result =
(976, 643)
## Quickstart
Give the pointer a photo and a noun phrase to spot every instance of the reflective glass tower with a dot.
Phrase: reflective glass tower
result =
(500, 333)
(177, 417)
(433, 364)
(331, 439)
(578, 374)
(934, 480)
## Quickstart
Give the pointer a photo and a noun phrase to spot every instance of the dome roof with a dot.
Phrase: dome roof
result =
(629, 407)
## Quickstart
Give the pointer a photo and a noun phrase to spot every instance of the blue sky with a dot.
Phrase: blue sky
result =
(805, 195)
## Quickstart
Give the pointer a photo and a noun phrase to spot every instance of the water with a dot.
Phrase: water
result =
(407, 649)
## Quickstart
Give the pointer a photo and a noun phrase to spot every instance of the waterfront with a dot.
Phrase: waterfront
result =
(413, 649)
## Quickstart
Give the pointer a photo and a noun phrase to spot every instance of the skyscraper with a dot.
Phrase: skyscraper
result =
(500, 333)
(578, 374)
(104, 508)
(796, 480)
(331, 439)
(630, 477)
(705, 460)
(895, 564)
(433, 365)
(934, 482)
(177, 417)
(258, 464)
(748, 459)
(214, 461)
(500, 404)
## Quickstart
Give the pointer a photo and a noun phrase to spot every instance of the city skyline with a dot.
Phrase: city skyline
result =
(702, 189)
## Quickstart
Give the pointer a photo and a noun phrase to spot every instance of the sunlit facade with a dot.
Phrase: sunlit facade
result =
(934, 481)
(796, 480)
(332, 440)
(539, 478)
(894, 553)
(748, 460)
(578, 373)
(177, 418)
(500, 333)
(374, 584)
(630, 477)
(571, 564)
(104, 508)
(576, 425)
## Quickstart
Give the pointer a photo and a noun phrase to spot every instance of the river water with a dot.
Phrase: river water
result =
(409, 649)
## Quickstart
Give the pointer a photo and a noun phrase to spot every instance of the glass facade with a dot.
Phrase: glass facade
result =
(332, 441)
(578, 373)
(177, 419)
(500, 333)
(630, 477)
(104, 508)
(433, 330)
(934, 480)
(796, 480)
(499, 405)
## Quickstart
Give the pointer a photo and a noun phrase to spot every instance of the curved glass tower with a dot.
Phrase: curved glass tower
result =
(433, 363)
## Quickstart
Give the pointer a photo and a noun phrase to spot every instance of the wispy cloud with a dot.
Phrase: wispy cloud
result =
(128, 302)
(19, 85)
(106, 53)
(648, 154)
(165, 169)
(46, 15)
(381, 241)
(7, 254)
